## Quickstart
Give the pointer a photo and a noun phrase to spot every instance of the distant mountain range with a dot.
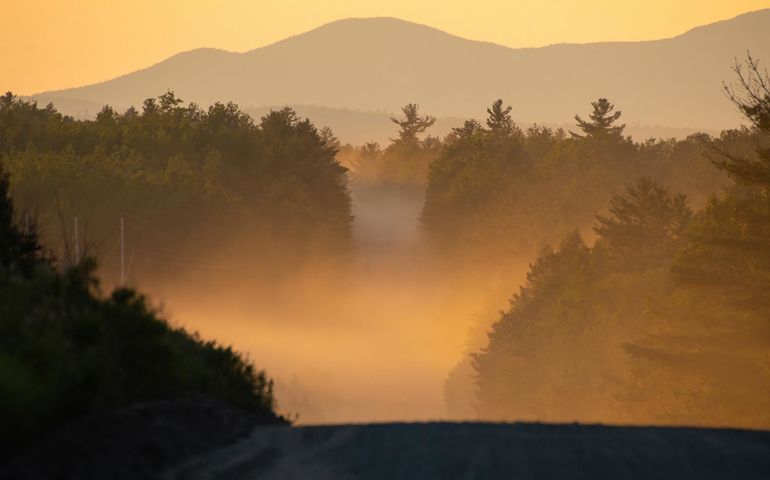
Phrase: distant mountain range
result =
(354, 72)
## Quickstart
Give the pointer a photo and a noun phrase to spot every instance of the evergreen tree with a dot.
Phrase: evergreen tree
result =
(469, 128)
(411, 125)
(730, 241)
(329, 139)
(753, 100)
(499, 120)
(645, 226)
(167, 159)
(602, 121)
(729, 244)
(7, 100)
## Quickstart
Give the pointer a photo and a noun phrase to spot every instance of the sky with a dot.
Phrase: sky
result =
(54, 44)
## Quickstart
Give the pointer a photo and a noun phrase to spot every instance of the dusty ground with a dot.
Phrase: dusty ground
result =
(474, 450)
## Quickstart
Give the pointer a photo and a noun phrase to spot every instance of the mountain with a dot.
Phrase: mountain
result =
(379, 64)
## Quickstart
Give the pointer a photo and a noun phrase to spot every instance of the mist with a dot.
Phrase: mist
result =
(502, 271)
(380, 250)
(369, 336)
(480, 267)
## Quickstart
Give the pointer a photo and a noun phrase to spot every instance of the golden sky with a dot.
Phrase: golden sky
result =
(52, 44)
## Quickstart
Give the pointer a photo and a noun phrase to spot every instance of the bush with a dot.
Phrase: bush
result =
(66, 349)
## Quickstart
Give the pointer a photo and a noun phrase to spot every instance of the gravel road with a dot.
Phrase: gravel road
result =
(476, 450)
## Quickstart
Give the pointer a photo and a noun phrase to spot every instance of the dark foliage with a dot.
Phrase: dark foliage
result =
(554, 355)
(664, 319)
(500, 192)
(65, 349)
(180, 176)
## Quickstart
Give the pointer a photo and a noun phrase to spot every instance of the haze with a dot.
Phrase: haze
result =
(581, 234)
(49, 45)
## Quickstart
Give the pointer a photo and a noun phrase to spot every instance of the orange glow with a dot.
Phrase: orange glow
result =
(48, 45)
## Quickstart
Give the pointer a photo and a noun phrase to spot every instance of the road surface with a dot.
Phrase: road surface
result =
(428, 451)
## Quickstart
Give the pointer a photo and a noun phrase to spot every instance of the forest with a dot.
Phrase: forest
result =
(67, 348)
(651, 307)
(661, 317)
(183, 180)
(647, 266)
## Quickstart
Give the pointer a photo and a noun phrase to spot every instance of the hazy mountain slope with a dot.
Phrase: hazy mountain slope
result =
(382, 63)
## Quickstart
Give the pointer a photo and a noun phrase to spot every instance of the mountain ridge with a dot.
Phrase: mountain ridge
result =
(382, 63)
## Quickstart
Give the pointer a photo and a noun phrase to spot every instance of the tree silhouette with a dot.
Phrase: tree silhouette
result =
(731, 239)
(168, 158)
(7, 100)
(752, 98)
(19, 248)
(66, 349)
(499, 120)
(411, 125)
(329, 139)
(469, 128)
(645, 225)
(602, 122)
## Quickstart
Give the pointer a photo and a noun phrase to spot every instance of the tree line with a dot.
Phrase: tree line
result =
(664, 319)
(653, 306)
(498, 191)
(185, 179)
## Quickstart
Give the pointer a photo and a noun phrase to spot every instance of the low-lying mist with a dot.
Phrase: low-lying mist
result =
(498, 273)
(366, 337)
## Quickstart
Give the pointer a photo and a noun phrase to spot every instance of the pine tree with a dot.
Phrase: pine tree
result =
(602, 122)
(499, 120)
(411, 125)
(329, 139)
(730, 243)
(753, 101)
(646, 225)
(469, 128)
(7, 100)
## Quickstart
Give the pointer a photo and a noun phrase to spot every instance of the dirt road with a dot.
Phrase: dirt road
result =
(473, 450)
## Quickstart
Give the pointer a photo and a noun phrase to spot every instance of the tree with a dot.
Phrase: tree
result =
(729, 245)
(67, 350)
(168, 158)
(19, 248)
(645, 226)
(704, 357)
(169, 101)
(730, 241)
(541, 352)
(411, 125)
(329, 139)
(7, 100)
(371, 150)
(469, 128)
(499, 120)
(752, 98)
(602, 122)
